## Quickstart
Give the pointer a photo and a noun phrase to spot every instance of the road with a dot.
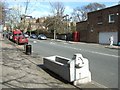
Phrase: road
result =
(103, 61)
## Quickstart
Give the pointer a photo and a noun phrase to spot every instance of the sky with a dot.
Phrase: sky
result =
(41, 8)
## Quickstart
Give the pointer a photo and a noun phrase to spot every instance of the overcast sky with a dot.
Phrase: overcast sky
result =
(41, 8)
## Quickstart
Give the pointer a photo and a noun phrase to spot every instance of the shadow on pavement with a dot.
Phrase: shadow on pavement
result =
(53, 74)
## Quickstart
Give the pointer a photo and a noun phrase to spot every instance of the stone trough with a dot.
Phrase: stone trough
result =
(74, 70)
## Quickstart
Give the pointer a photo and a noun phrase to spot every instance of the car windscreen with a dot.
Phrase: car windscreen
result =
(42, 35)
(18, 34)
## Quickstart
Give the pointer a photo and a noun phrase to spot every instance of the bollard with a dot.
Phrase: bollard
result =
(28, 49)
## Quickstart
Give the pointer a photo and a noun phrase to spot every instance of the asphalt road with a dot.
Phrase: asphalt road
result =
(103, 61)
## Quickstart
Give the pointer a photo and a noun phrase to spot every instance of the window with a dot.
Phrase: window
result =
(111, 18)
(100, 20)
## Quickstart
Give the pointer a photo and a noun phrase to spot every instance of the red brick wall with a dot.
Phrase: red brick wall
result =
(82, 27)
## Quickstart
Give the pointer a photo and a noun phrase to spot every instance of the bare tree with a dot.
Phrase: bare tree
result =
(80, 13)
(10, 16)
(3, 11)
(57, 9)
(93, 7)
(118, 2)
(13, 16)
(49, 22)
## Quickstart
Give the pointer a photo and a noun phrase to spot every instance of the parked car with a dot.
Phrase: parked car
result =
(19, 38)
(10, 36)
(42, 37)
(7, 34)
(33, 36)
(26, 35)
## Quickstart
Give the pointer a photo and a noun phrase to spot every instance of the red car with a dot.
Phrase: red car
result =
(19, 38)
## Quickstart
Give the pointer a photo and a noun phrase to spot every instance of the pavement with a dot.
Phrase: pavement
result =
(27, 71)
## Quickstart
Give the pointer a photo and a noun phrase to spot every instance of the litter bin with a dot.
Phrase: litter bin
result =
(28, 49)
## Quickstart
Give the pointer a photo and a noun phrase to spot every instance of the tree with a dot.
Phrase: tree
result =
(49, 23)
(13, 17)
(118, 2)
(57, 9)
(80, 13)
(93, 7)
(3, 12)
(9, 15)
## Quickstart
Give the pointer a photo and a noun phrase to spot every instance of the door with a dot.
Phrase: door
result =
(104, 37)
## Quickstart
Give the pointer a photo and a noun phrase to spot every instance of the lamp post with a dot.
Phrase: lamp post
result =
(67, 22)
(29, 25)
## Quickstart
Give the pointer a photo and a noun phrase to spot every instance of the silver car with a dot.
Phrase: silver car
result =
(42, 37)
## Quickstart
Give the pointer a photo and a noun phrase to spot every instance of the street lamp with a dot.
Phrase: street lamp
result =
(67, 22)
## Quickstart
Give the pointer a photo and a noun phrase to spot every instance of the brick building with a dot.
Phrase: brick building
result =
(32, 24)
(0, 12)
(101, 25)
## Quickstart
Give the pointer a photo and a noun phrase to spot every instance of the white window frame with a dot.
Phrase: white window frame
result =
(111, 21)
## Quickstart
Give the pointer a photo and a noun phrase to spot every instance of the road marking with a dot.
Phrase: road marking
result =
(90, 51)
(52, 43)
(34, 41)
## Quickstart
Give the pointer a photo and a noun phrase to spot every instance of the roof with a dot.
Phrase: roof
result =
(17, 32)
(106, 8)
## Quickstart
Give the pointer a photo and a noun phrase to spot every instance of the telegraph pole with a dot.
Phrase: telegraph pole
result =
(25, 15)
(27, 2)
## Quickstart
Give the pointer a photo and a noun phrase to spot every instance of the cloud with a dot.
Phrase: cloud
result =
(37, 14)
(34, 9)
(40, 10)
(44, 10)
(68, 10)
